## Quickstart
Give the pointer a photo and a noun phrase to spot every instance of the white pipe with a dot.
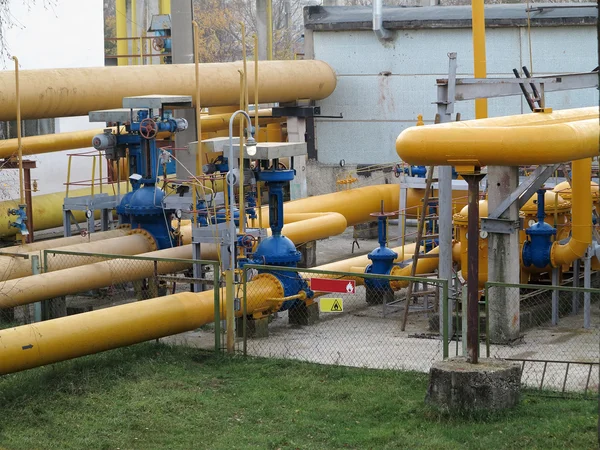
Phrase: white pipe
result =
(382, 33)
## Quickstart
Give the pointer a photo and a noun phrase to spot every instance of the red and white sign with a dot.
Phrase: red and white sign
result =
(327, 285)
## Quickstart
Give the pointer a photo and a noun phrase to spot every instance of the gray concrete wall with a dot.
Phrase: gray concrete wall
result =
(383, 87)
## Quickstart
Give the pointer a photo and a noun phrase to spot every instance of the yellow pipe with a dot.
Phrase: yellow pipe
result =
(199, 152)
(121, 18)
(269, 29)
(507, 145)
(11, 268)
(424, 265)
(134, 42)
(53, 93)
(480, 70)
(47, 143)
(581, 207)
(70, 337)
(30, 289)
(256, 84)
(47, 210)
(164, 6)
(63, 242)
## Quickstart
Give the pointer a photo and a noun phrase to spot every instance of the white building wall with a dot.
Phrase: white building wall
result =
(383, 87)
(65, 33)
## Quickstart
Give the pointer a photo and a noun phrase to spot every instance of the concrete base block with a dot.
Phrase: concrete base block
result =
(379, 296)
(455, 386)
(309, 255)
(256, 328)
(303, 315)
(365, 230)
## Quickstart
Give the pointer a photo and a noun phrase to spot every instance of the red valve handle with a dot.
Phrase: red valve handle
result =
(148, 128)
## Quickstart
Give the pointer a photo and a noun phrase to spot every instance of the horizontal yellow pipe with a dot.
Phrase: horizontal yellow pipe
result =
(51, 93)
(581, 207)
(47, 143)
(70, 337)
(315, 228)
(541, 138)
(48, 208)
(30, 289)
(424, 265)
(11, 268)
(63, 242)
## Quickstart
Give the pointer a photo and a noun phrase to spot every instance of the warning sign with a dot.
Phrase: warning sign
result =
(331, 305)
(328, 285)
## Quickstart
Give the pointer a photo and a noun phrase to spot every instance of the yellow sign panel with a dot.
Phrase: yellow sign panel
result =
(331, 305)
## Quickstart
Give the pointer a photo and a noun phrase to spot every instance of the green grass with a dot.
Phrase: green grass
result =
(154, 396)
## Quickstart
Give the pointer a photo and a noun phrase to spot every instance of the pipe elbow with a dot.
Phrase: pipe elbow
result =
(565, 254)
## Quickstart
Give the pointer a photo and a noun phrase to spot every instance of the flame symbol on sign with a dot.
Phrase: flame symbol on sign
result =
(350, 288)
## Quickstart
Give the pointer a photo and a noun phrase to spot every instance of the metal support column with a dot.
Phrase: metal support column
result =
(587, 279)
(445, 109)
(555, 295)
(35, 270)
(576, 275)
(473, 267)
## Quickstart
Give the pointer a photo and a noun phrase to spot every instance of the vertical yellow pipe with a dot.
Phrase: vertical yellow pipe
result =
(199, 151)
(229, 309)
(69, 176)
(19, 142)
(480, 70)
(164, 6)
(256, 86)
(134, 43)
(121, 18)
(93, 174)
(270, 29)
(244, 106)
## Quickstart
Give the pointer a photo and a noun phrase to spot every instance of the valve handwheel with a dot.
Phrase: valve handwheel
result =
(148, 128)
(158, 43)
(248, 241)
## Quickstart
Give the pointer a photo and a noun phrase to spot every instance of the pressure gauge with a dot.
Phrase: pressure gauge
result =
(483, 234)
(88, 214)
(531, 223)
(178, 214)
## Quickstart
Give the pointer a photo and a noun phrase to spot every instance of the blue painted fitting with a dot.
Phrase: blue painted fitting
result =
(536, 250)
(277, 250)
(122, 208)
(202, 213)
(382, 257)
(221, 216)
(251, 204)
(21, 221)
(146, 212)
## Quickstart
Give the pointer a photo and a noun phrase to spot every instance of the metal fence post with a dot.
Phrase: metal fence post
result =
(555, 295)
(244, 311)
(35, 270)
(445, 324)
(217, 321)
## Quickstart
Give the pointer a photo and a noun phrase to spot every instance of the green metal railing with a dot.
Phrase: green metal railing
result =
(216, 281)
(442, 284)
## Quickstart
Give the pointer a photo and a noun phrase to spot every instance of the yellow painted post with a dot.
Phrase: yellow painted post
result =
(270, 29)
(199, 151)
(134, 32)
(121, 18)
(244, 106)
(68, 176)
(19, 137)
(93, 174)
(230, 309)
(480, 70)
(164, 6)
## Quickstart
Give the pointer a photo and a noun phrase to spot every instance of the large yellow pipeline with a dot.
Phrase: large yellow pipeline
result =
(581, 207)
(63, 242)
(47, 208)
(53, 93)
(511, 140)
(499, 146)
(30, 289)
(72, 140)
(11, 268)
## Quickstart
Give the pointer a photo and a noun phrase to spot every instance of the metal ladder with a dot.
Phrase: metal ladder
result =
(428, 198)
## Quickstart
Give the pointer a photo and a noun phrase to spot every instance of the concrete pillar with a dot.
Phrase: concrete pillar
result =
(296, 131)
(182, 36)
(255, 328)
(261, 28)
(309, 254)
(504, 261)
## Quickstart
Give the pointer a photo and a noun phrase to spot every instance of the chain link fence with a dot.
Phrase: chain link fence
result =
(353, 319)
(554, 331)
(91, 281)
